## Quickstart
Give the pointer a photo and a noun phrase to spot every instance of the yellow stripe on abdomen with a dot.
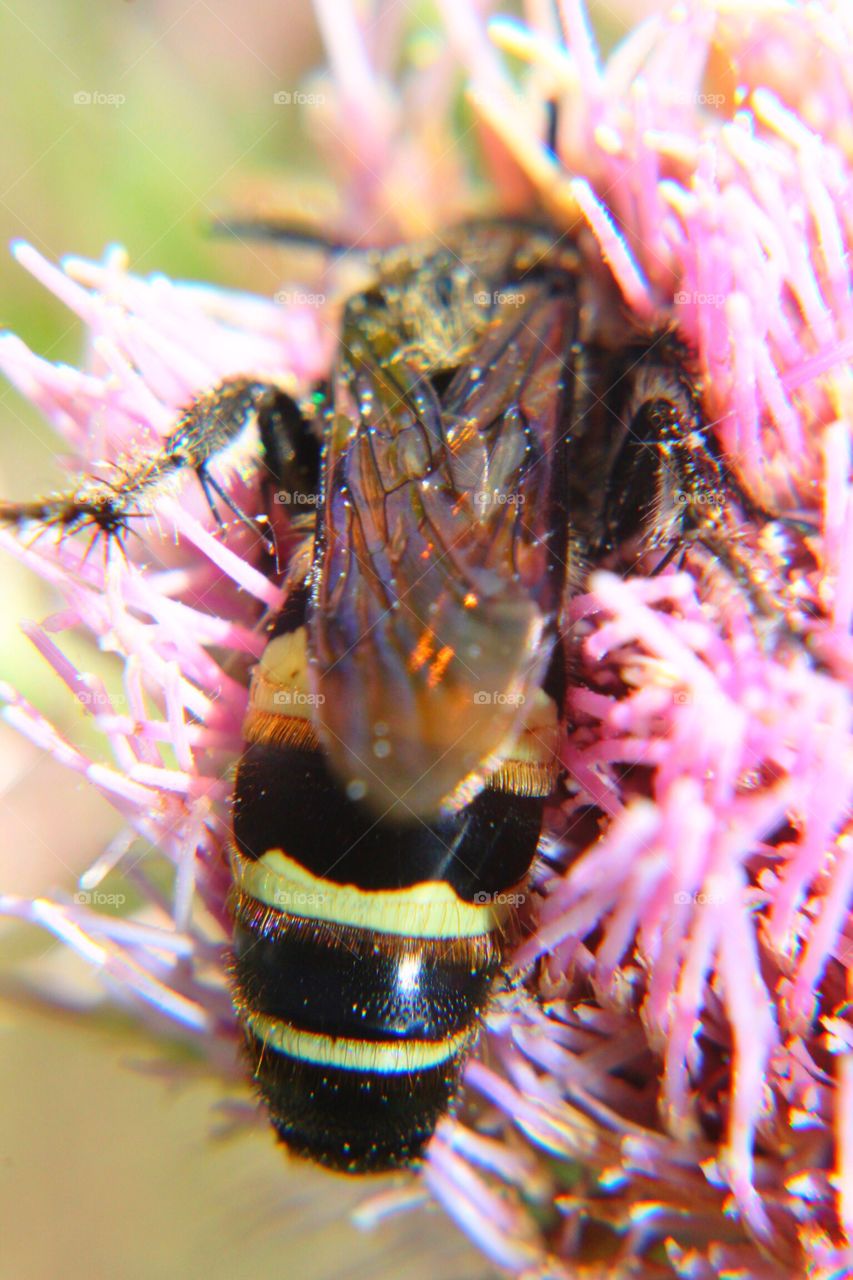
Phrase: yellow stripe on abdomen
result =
(428, 910)
(383, 1056)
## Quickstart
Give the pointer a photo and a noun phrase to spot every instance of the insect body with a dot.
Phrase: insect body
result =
(490, 433)
(400, 744)
(404, 719)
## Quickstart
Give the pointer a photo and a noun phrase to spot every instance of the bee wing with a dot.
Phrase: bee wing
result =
(431, 607)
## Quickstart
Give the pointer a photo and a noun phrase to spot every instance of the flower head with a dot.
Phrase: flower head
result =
(670, 1075)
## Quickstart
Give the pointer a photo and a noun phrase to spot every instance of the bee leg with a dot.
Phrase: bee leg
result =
(663, 472)
(669, 486)
(675, 549)
(628, 496)
(227, 419)
(210, 488)
(292, 446)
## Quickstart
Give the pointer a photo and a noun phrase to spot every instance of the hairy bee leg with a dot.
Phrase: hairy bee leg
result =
(291, 451)
(652, 414)
(670, 487)
(226, 419)
(291, 447)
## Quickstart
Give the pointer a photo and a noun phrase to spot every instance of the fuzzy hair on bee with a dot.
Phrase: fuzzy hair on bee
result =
(489, 434)
(209, 430)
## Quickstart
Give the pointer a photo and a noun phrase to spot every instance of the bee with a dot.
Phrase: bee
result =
(490, 432)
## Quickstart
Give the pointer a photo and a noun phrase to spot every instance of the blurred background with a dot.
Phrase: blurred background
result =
(135, 122)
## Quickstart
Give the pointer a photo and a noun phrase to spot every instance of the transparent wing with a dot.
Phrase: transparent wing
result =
(433, 591)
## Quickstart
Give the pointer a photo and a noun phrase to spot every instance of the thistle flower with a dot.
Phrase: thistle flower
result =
(666, 1087)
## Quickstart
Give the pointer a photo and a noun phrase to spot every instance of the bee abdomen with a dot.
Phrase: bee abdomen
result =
(364, 1118)
(364, 945)
(356, 1037)
(353, 982)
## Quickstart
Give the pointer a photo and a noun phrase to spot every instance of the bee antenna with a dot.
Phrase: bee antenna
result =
(284, 231)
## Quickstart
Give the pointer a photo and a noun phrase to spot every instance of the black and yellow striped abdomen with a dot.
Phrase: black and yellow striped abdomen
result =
(356, 1037)
(364, 949)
